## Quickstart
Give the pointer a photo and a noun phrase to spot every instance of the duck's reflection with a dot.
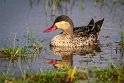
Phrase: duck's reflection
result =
(67, 54)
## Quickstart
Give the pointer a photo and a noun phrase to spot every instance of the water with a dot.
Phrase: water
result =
(17, 16)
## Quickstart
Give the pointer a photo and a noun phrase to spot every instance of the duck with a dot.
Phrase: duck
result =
(74, 36)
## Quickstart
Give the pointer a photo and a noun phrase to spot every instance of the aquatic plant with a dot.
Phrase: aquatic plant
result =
(39, 77)
(121, 1)
(33, 43)
(102, 2)
(114, 1)
(71, 73)
(31, 46)
(31, 2)
(14, 52)
(121, 30)
(56, 4)
(61, 6)
(110, 75)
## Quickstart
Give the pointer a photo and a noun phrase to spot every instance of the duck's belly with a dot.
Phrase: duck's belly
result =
(66, 41)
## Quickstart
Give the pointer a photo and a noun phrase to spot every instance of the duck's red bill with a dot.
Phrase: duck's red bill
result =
(53, 27)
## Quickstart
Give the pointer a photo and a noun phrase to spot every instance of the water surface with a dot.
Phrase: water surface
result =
(18, 16)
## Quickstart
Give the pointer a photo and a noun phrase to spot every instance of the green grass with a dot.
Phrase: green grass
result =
(108, 75)
(39, 77)
(14, 52)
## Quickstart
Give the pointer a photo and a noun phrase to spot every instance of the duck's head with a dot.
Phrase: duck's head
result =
(62, 22)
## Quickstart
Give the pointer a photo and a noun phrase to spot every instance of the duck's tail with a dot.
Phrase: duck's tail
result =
(98, 25)
(95, 27)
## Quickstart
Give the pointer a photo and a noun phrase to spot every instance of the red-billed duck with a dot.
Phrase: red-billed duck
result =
(74, 37)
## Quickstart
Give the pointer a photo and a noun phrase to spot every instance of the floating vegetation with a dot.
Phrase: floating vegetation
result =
(106, 36)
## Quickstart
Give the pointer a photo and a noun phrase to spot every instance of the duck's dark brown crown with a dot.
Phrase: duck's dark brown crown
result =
(64, 18)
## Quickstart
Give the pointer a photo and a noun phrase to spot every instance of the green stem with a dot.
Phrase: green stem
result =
(121, 30)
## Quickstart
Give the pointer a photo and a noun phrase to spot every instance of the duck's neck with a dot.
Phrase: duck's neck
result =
(68, 30)
(66, 27)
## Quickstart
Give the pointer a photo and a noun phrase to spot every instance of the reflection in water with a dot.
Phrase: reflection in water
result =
(68, 53)
(121, 54)
(58, 6)
(31, 2)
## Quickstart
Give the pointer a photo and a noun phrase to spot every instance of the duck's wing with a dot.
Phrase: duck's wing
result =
(80, 29)
(83, 30)
(91, 28)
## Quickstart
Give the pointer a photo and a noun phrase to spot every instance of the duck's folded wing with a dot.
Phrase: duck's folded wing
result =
(91, 28)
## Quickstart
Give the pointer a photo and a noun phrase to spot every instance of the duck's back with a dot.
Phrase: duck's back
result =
(91, 28)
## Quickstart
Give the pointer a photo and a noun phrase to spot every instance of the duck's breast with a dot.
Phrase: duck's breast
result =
(60, 40)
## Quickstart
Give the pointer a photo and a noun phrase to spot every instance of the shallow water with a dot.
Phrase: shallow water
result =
(17, 16)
